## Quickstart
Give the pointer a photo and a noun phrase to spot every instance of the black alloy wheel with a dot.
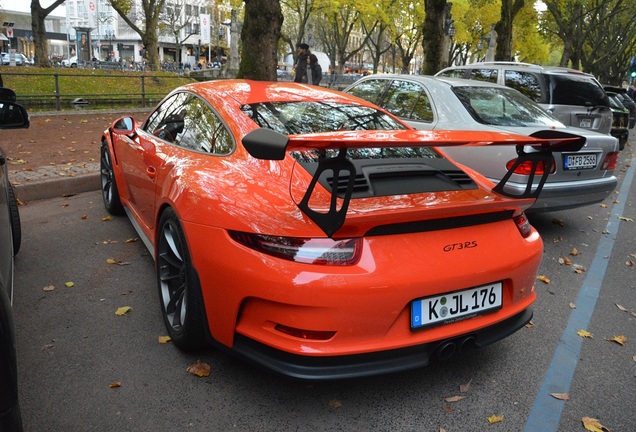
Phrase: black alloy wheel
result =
(110, 193)
(179, 287)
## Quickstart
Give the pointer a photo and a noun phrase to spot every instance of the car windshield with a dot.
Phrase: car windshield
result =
(291, 118)
(503, 107)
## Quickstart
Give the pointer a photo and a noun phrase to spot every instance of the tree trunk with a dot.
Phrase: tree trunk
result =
(38, 14)
(509, 10)
(259, 40)
(433, 33)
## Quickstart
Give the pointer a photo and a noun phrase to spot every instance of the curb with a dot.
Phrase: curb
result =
(57, 187)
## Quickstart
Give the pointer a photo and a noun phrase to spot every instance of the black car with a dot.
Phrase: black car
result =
(12, 116)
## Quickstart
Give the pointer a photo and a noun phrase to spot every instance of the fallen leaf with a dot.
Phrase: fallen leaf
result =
(107, 218)
(557, 240)
(199, 369)
(558, 222)
(633, 255)
(621, 308)
(629, 263)
(69, 284)
(593, 425)
(48, 288)
(116, 261)
(114, 384)
(448, 408)
(454, 398)
(619, 340)
(123, 310)
(132, 240)
(584, 334)
(464, 388)
(164, 339)
(623, 218)
(84, 217)
(335, 404)
(572, 306)
(574, 252)
(603, 205)
(565, 260)
(495, 419)
(544, 279)
(529, 325)
(561, 396)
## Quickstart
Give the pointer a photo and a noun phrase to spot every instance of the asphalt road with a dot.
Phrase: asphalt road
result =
(72, 347)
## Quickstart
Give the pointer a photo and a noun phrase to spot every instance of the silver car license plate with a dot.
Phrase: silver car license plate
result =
(455, 306)
(585, 123)
(579, 161)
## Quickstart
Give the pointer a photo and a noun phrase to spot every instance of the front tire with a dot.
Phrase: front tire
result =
(110, 193)
(179, 287)
(16, 227)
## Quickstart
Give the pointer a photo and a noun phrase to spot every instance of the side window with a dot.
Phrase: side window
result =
(488, 75)
(402, 97)
(369, 90)
(454, 73)
(166, 122)
(203, 129)
(526, 83)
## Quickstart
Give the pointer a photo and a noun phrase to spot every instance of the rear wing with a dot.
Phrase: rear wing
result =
(535, 150)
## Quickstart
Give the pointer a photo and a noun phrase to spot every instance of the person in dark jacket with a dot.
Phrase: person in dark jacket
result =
(300, 68)
(314, 69)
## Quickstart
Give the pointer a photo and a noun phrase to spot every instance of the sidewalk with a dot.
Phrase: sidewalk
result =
(59, 153)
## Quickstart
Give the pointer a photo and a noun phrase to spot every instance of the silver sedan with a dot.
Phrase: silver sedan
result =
(576, 179)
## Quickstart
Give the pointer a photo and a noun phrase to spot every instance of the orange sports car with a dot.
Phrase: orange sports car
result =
(316, 234)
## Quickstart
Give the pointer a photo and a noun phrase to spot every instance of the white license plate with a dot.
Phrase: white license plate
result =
(455, 306)
(585, 123)
(579, 161)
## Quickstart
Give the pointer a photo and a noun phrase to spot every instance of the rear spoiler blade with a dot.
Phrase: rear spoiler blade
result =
(270, 145)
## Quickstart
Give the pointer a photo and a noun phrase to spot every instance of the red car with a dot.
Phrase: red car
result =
(316, 234)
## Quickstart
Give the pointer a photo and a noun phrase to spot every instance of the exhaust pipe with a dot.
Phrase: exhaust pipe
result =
(467, 344)
(445, 351)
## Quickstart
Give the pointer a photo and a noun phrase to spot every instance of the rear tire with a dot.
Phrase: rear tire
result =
(179, 287)
(110, 193)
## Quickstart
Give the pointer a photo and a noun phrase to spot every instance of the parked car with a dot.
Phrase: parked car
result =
(628, 103)
(289, 224)
(70, 62)
(437, 103)
(12, 116)
(17, 58)
(620, 119)
(575, 98)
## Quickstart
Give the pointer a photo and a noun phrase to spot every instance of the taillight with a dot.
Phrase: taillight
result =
(525, 168)
(523, 225)
(324, 251)
(610, 161)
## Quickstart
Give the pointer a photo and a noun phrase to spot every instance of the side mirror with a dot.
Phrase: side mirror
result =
(13, 115)
(124, 125)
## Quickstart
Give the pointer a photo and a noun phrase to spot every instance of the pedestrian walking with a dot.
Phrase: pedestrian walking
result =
(314, 70)
(300, 68)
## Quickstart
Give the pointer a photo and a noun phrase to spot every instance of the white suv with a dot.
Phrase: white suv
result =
(574, 97)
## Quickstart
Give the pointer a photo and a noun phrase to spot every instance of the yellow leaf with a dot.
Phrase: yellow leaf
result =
(132, 240)
(454, 398)
(123, 310)
(603, 205)
(69, 284)
(623, 218)
(107, 218)
(115, 384)
(495, 419)
(561, 396)
(164, 339)
(593, 425)
(565, 260)
(544, 279)
(111, 261)
(574, 252)
(199, 369)
(530, 324)
(584, 334)
(619, 340)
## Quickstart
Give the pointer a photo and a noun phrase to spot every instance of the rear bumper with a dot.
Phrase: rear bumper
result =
(566, 195)
(383, 362)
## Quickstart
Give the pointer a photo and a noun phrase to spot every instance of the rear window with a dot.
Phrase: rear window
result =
(572, 89)
(292, 118)
(453, 73)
